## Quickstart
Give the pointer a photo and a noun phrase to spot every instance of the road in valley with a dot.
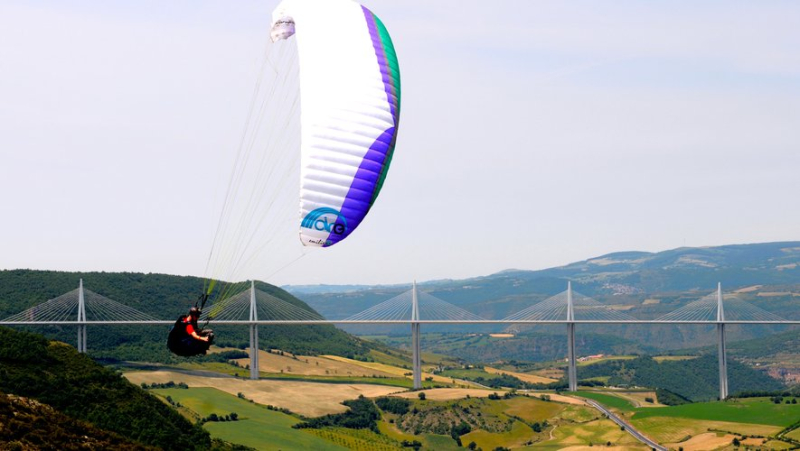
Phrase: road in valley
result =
(630, 429)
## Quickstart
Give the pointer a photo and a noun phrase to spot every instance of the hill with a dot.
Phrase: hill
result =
(164, 297)
(642, 284)
(33, 425)
(526, 347)
(696, 379)
(56, 375)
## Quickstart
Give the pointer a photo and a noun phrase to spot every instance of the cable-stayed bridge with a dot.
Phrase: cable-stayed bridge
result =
(254, 308)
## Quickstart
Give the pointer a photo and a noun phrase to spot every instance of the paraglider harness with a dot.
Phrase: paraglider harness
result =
(181, 342)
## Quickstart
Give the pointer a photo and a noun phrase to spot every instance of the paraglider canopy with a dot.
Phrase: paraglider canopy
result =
(350, 110)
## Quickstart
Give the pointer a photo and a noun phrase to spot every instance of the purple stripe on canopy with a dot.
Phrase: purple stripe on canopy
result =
(359, 197)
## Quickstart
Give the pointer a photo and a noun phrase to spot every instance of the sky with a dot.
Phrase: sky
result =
(533, 134)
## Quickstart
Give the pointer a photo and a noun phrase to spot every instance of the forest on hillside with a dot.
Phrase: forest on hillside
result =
(74, 385)
(696, 379)
(163, 297)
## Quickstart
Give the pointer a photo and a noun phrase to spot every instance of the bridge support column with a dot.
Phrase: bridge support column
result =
(254, 373)
(723, 362)
(721, 350)
(81, 319)
(415, 339)
(572, 369)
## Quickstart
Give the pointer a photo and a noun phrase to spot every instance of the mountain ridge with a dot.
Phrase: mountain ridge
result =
(642, 284)
(707, 257)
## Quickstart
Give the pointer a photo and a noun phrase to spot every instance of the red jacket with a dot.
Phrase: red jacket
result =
(191, 326)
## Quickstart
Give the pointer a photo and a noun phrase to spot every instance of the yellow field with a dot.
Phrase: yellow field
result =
(525, 377)
(391, 370)
(550, 373)
(795, 434)
(562, 398)
(446, 394)
(754, 441)
(777, 444)
(707, 441)
(501, 335)
(651, 301)
(269, 362)
(604, 448)
(673, 430)
(306, 398)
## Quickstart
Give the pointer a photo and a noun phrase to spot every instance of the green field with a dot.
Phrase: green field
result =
(470, 374)
(606, 359)
(257, 427)
(429, 441)
(517, 436)
(748, 410)
(531, 410)
(386, 359)
(607, 400)
(749, 416)
(676, 429)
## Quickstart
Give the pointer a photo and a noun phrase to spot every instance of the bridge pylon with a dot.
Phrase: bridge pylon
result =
(254, 372)
(81, 319)
(415, 339)
(721, 351)
(572, 369)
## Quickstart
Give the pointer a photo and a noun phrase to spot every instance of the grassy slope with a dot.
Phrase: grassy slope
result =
(28, 424)
(498, 413)
(751, 416)
(55, 374)
(612, 401)
(696, 379)
(596, 431)
(675, 429)
(357, 439)
(257, 427)
(750, 410)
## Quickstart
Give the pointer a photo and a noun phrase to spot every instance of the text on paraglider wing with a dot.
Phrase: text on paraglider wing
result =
(325, 219)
